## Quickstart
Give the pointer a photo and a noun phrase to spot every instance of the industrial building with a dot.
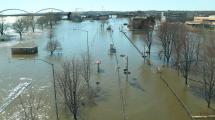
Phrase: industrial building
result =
(203, 21)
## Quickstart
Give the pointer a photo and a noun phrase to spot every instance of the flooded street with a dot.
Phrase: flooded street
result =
(145, 95)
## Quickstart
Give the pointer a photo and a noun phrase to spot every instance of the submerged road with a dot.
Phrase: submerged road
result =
(187, 116)
(122, 97)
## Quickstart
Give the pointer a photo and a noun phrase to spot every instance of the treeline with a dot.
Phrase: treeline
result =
(26, 23)
(187, 49)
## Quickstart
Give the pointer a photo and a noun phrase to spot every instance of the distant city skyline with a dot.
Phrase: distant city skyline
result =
(109, 5)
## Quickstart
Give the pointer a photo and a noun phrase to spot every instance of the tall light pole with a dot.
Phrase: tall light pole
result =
(53, 74)
(54, 81)
(88, 52)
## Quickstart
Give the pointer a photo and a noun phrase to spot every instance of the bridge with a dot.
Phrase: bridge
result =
(37, 13)
(69, 15)
(59, 11)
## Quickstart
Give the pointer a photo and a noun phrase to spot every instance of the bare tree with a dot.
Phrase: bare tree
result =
(197, 49)
(148, 39)
(41, 22)
(72, 85)
(199, 40)
(3, 27)
(52, 44)
(209, 70)
(32, 107)
(30, 22)
(86, 69)
(187, 54)
(19, 26)
(180, 37)
(167, 36)
(86, 74)
(52, 19)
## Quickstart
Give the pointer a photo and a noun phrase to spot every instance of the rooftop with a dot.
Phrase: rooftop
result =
(25, 45)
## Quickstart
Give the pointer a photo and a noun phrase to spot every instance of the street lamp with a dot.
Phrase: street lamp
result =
(53, 74)
(88, 50)
(88, 53)
(126, 72)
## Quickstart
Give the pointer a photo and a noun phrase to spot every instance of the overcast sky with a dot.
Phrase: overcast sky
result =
(119, 5)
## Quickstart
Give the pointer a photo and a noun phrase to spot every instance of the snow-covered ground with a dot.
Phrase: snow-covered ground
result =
(14, 93)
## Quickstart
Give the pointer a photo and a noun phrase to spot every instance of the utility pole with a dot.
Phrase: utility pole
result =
(55, 95)
(125, 70)
(88, 51)
(54, 82)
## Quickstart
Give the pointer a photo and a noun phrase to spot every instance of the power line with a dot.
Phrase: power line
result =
(129, 39)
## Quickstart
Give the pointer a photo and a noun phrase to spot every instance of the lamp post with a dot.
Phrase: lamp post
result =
(53, 74)
(88, 51)
(55, 95)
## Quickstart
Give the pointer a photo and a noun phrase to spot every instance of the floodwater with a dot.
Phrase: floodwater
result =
(145, 96)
